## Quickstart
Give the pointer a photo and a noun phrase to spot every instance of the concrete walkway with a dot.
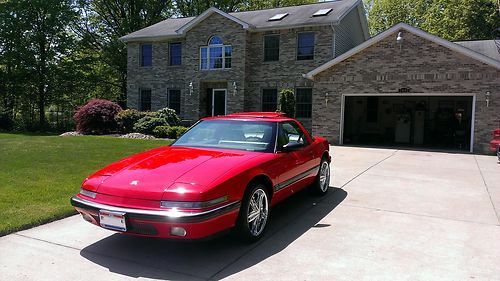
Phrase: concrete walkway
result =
(391, 215)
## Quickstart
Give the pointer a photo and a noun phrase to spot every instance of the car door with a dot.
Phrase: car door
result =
(298, 163)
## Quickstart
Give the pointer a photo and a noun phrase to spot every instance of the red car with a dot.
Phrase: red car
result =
(224, 172)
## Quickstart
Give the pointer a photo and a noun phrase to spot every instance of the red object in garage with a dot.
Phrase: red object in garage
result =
(495, 142)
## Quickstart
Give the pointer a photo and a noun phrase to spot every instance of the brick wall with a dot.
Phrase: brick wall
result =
(421, 65)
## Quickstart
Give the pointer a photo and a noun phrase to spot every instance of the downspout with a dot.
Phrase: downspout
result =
(334, 39)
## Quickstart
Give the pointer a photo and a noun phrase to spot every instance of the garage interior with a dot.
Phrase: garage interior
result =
(434, 122)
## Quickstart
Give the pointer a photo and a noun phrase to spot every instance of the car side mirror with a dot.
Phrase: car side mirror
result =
(292, 146)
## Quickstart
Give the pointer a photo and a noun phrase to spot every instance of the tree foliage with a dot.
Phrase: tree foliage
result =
(450, 19)
(188, 8)
(31, 47)
(287, 102)
(103, 22)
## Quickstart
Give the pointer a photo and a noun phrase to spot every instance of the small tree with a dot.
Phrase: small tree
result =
(287, 102)
(97, 117)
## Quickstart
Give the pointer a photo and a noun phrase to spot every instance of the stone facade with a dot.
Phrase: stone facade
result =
(248, 70)
(418, 64)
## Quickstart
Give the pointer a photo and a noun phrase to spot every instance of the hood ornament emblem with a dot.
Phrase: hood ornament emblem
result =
(134, 182)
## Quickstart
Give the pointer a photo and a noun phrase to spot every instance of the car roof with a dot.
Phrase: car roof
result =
(253, 116)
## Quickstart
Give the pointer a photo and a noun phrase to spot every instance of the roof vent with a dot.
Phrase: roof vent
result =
(322, 12)
(278, 17)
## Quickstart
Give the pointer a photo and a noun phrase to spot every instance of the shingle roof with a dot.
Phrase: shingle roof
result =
(257, 20)
(486, 47)
(390, 32)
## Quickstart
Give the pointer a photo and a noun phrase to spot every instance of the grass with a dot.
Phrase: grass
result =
(38, 174)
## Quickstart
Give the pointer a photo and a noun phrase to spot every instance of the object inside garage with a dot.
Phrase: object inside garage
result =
(441, 122)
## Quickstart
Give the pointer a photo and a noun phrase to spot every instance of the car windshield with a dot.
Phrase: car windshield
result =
(231, 134)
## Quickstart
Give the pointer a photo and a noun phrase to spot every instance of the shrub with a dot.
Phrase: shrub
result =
(126, 119)
(171, 132)
(6, 122)
(162, 117)
(181, 130)
(287, 102)
(148, 123)
(96, 117)
(170, 116)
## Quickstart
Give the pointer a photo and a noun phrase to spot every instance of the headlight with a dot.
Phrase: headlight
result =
(87, 193)
(193, 205)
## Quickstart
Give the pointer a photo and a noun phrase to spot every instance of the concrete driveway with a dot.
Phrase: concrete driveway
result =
(391, 215)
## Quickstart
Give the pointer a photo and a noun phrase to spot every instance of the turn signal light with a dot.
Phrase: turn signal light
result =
(178, 231)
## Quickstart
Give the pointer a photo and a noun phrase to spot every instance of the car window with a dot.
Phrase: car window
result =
(290, 131)
(231, 134)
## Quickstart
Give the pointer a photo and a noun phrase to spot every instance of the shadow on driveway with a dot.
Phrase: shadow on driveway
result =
(214, 258)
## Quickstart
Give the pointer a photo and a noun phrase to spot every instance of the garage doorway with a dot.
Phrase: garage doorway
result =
(426, 121)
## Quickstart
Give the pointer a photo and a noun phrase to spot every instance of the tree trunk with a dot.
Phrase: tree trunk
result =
(41, 83)
(122, 99)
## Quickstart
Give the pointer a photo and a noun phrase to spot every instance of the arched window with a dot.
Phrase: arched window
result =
(216, 55)
(215, 40)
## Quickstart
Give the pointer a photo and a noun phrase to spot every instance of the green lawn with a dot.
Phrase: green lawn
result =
(38, 174)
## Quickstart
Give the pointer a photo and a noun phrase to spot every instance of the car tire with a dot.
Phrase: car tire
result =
(322, 182)
(254, 213)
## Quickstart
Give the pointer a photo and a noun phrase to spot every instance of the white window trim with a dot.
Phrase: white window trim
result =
(223, 57)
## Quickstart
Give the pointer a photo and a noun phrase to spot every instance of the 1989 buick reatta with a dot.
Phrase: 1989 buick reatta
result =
(224, 172)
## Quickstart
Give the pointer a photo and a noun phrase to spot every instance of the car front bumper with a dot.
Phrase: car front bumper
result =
(159, 223)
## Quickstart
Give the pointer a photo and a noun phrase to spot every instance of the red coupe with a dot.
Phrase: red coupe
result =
(222, 173)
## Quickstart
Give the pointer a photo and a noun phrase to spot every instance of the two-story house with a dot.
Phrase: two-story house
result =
(218, 63)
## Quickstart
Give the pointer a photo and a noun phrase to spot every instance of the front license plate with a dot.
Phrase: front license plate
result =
(112, 220)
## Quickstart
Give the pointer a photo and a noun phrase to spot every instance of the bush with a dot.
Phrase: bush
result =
(162, 117)
(6, 122)
(287, 102)
(171, 132)
(96, 117)
(170, 116)
(148, 123)
(126, 119)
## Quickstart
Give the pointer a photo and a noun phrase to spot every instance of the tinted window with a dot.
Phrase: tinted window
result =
(231, 134)
(174, 100)
(146, 55)
(175, 53)
(269, 100)
(303, 103)
(271, 48)
(145, 99)
(290, 131)
(305, 46)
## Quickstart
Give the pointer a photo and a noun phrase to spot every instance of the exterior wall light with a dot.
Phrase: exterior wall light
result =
(399, 39)
(488, 94)
(191, 88)
(235, 88)
(326, 99)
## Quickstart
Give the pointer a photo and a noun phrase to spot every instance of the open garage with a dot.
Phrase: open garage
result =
(428, 121)
(406, 88)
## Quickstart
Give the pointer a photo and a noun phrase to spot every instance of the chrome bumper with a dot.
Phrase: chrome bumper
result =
(153, 215)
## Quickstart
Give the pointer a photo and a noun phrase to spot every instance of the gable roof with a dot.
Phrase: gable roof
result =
(488, 48)
(257, 20)
(192, 23)
(403, 26)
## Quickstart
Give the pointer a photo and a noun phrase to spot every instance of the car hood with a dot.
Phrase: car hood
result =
(148, 175)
